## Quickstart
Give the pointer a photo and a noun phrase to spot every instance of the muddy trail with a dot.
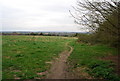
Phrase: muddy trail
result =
(59, 66)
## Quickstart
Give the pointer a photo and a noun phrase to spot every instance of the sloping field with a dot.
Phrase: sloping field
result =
(28, 57)
(53, 57)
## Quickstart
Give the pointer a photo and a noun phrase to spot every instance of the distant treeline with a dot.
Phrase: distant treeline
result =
(41, 34)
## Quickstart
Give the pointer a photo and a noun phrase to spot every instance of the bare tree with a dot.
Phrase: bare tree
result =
(93, 14)
(100, 18)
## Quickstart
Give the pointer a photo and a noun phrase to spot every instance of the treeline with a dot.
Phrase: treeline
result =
(41, 34)
(101, 19)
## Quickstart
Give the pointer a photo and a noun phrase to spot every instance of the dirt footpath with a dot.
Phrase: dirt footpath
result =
(59, 66)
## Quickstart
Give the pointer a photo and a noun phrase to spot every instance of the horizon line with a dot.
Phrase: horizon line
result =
(37, 31)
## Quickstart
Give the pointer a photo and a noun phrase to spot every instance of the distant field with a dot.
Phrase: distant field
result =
(25, 56)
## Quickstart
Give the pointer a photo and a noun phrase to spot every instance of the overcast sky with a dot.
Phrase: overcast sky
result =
(38, 15)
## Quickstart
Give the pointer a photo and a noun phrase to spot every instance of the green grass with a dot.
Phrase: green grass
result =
(0, 57)
(90, 56)
(25, 56)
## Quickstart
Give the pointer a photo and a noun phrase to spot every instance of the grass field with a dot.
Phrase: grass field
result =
(25, 56)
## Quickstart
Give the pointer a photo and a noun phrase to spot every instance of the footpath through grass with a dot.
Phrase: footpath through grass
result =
(89, 57)
(25, 56)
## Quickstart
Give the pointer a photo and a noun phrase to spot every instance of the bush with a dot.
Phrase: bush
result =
(88, 38)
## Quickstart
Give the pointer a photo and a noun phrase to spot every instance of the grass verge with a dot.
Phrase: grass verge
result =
(89, 56)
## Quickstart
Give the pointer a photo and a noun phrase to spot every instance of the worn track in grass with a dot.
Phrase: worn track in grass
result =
(59, 67)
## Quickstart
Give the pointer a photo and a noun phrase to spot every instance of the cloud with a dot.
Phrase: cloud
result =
(37, 15)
